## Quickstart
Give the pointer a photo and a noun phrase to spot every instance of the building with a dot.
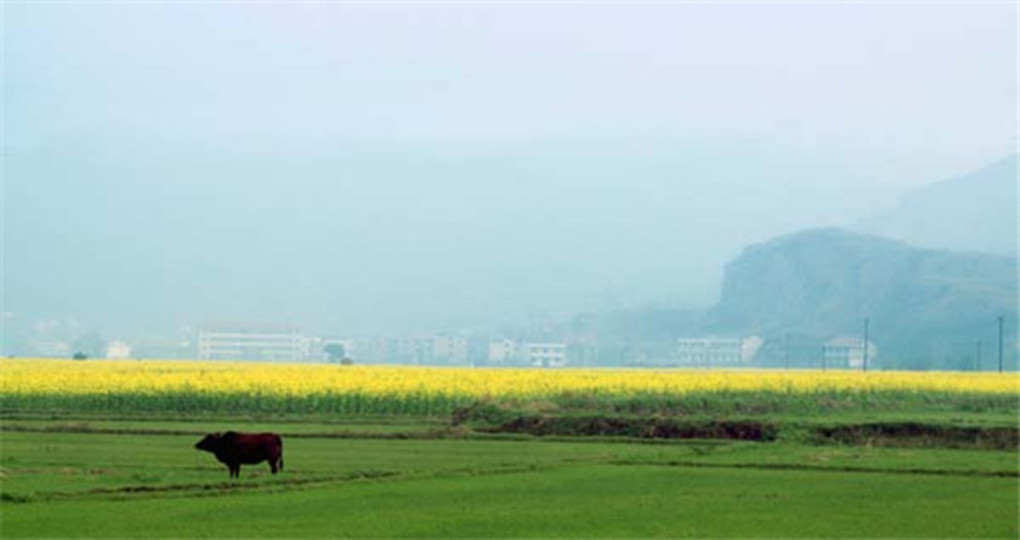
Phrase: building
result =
(749, 348)
(410, 350)
(507, 352)
(503, 352)
(546, 354)
(246, 341)
(118, 350)
(847, 352)
(450, 349)
(716, 351)
(366, 350)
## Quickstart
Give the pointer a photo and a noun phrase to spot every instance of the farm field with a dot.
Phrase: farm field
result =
(100, 485)
(279, 389)
(850, 457)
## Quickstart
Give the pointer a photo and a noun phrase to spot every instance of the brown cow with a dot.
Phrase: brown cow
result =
(233, 449)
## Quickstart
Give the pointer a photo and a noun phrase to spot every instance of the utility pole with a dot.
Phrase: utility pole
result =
(1000, 343)
(977, 356)
(865, 344)
(823, 357)
(786, 349)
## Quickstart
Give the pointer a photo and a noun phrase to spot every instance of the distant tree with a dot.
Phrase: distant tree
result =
(91, 344)
(80, 356)
(335, 351)
(346, 361)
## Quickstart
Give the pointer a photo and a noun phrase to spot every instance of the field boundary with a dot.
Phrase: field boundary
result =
(639, 430)
(815, 468)
(217, 489)
(87, 430)
(199, 489)
(890, 433)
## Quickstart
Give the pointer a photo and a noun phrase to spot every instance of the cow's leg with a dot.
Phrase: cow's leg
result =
(235, 470)
(274, 465)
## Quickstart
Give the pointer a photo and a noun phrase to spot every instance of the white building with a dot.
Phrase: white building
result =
(503, 352)
(546, 354)
(366, 350)
(118, 350)
(749, 347)
(716, 351)
(848, 352)
(410, 350)
(450, 349)
(246, 341)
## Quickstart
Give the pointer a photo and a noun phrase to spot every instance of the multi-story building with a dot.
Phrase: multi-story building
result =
(716, 351)
(367, 350)
(247, 341)
(118, 350)
(410, 350)
(507, 352)
(503, 352)
(450, 349)
(847, 352)
(749, 348)
(546, 354)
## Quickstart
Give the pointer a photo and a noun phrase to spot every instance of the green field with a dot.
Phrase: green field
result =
(127, 477)
(396, 455)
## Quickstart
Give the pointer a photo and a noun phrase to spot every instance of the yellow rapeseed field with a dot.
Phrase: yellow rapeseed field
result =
(101, 377)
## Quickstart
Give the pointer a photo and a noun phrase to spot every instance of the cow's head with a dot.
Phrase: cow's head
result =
(210, 443)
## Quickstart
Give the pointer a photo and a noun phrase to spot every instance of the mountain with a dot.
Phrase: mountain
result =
(974, 212)
(926, 307)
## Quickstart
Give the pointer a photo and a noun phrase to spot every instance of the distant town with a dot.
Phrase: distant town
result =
(783, 304)
(288, 343)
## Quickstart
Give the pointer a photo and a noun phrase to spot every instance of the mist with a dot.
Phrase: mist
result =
(406, 168)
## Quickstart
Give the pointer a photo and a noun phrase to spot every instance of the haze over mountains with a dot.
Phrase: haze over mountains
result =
(975, 212)
(379, 169)
(924, 305)
(816, 284)
(353, 242)
(928, 306)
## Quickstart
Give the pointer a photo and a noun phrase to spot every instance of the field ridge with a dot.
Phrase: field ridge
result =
(816, 468)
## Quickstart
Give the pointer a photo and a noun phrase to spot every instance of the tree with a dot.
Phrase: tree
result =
(91, 345)
(335, 351)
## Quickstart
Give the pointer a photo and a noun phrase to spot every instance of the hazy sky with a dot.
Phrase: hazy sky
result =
(392, 167)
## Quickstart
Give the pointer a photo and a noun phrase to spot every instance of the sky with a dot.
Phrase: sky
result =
(382, 168)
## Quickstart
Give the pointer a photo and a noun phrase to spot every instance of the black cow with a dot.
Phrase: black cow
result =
(233, 449)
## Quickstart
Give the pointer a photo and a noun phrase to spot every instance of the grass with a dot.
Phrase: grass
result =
(74, 484)
(732, 403)
(99, 424)
(429, 453)
(545, 490)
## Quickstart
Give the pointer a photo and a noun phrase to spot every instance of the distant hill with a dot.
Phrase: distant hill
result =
(974, 212)
(927, 308)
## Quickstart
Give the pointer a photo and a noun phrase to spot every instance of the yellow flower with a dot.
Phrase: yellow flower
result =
(68, 378)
